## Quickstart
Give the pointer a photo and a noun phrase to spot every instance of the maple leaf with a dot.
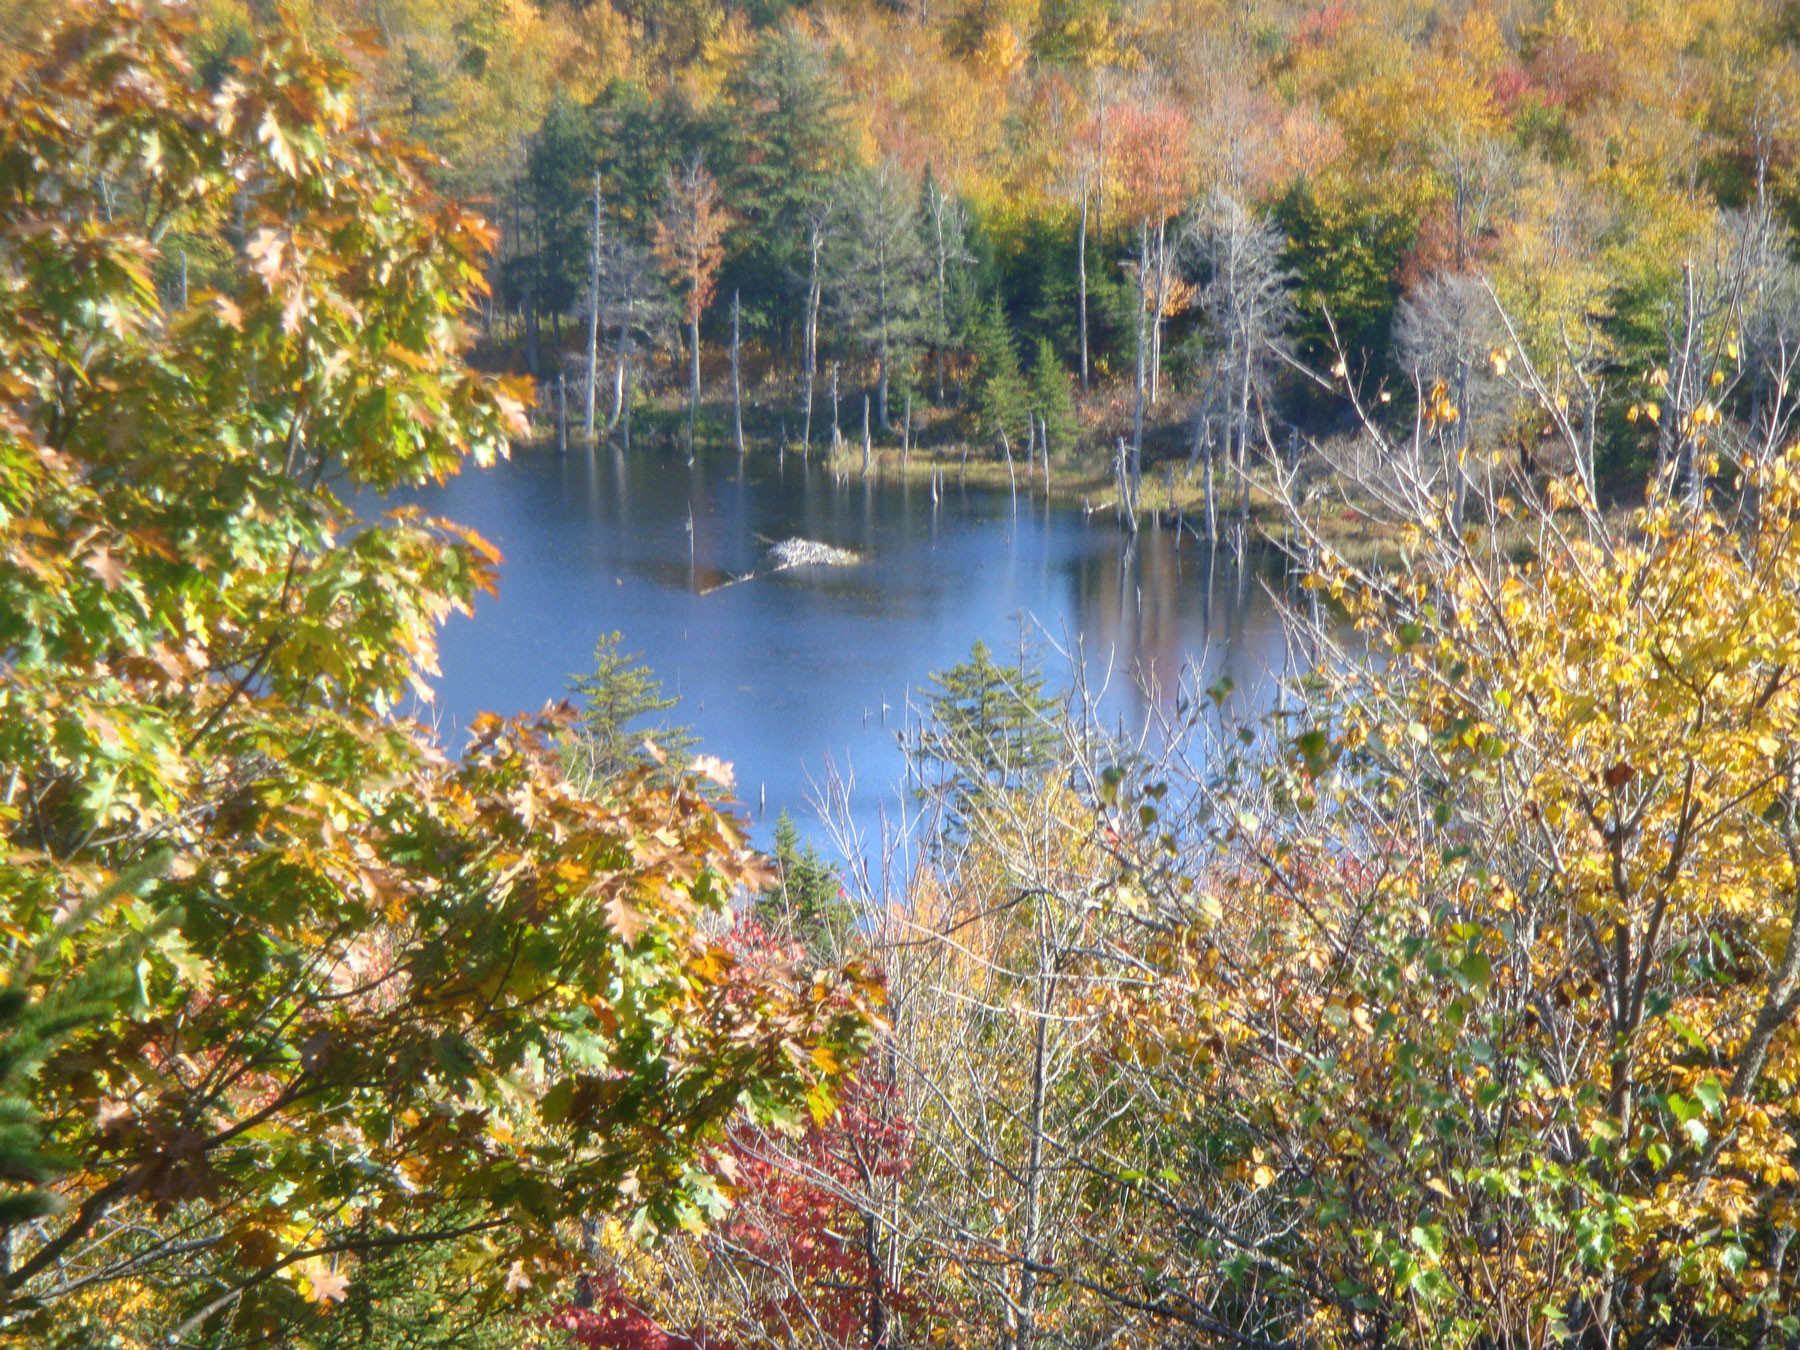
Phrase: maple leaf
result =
(328, 1286)
(105, 565)
(625, 921)
(716, 770)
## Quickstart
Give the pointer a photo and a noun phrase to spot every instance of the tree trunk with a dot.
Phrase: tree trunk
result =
(1158, 298)
(620, 360)
(693, 379)
(737, 387)
(837, 436)
(593, 343)
(1212, 507)
(1137, 417)
(881, 406)
(1034, 1166)
(906, 434)
(867, 448)
(1243, 430)
(811, 342)
(562, 412)
(1080, 290)
(1462, 445)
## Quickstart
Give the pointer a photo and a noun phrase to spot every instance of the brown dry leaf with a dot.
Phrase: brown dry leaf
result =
(104, 565)
(625, 921)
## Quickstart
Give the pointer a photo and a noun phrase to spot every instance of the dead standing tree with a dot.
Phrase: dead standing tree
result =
(1247, 310)
(819, 219)
(634, 303)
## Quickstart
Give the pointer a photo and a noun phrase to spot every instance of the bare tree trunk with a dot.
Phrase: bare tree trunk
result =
(693, 379)
(837, 436)
(1243, 431)
(1158, 298)
(1081, 286)
(619, 363)
(737, 387)
(1212, 506)
(867, 448)
(811, 339)
(1034, 1166)
(1137, 417)
(906, 434)
(1462, 445)
(562, 412)
(881, 407)
(593, 343)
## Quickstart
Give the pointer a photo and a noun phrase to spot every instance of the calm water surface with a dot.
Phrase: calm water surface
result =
(787, 674)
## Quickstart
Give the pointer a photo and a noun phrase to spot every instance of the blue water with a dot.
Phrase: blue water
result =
(790, 674)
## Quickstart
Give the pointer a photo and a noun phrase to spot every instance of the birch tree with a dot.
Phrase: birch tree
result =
(1247, 308)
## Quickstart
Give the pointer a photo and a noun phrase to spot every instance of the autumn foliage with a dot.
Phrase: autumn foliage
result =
(374, 997)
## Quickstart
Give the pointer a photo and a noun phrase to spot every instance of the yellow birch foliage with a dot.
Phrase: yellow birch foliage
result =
(1493, 1032)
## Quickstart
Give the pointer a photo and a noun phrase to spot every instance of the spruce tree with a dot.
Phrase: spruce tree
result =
(1001, 395)
(806, 904)
(617, 698)
(1051, 399)
(879, 268)
(987, 728)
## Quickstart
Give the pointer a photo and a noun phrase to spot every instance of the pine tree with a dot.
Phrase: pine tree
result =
(1051, 399)
(617, 698)
(806, 904)
(1001, 396)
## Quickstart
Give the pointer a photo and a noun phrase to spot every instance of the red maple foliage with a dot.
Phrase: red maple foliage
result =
(802, 1233)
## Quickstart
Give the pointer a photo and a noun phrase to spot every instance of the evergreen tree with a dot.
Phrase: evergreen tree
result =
(945, 226)
(783, 145)
(1051, 399)
(638, 142)
(987, 728)
(806, 904)
(1001, 395)
(559, 177)
(879, 270)
(617, 699)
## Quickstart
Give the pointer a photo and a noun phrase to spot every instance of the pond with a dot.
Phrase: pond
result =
(810, 671)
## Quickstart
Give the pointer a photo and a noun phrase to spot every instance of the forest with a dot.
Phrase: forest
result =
(1451, 1001)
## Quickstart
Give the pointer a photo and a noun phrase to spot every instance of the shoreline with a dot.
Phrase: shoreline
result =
(1177, 502)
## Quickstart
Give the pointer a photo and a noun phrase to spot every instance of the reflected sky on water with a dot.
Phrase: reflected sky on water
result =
(784, 673)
